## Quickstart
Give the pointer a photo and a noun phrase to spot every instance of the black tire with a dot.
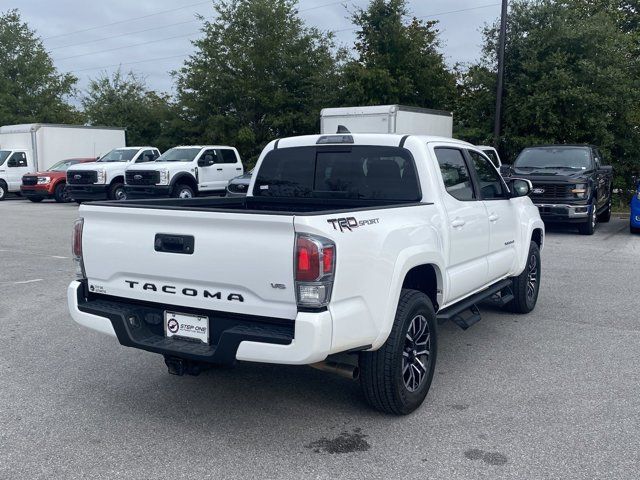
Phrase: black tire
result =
(79, 202)
(117, 192)
(526, 286)
(182, 191)
(633, 229)
(588, 227)
(3, 190)
(60, 194)
(35, 199)
(605, 216)
(385, 375)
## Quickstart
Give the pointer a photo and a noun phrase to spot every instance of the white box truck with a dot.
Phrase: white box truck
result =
(387, 119)
(35, 147)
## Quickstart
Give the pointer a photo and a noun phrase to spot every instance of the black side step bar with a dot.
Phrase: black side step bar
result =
(454, 312)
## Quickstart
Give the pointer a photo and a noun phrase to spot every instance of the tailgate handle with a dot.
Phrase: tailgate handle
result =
(174, 243)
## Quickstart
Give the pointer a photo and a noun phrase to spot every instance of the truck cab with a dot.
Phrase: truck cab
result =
(13, 165)
(104, 179)
(185, 172)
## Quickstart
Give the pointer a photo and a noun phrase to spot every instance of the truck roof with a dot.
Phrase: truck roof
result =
(385, 139)
(32, 127)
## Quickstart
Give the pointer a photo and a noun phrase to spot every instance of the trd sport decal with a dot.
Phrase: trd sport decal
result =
(350, 223)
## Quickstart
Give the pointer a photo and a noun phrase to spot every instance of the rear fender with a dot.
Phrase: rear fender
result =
(408, 259)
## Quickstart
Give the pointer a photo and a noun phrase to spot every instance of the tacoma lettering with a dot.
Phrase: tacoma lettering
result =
(187, 292)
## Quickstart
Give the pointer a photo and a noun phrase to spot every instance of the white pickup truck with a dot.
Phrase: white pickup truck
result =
(344, 256)
(184, 172)
(104, 179)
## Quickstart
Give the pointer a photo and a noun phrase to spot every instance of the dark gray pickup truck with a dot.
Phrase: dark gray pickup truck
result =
(570, 183)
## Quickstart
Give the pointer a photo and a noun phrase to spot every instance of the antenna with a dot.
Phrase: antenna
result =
(342, 129)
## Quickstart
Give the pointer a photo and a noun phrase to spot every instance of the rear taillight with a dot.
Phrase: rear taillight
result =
(76, 248)
(315, 259)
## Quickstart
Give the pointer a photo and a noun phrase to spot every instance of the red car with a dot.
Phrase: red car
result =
(51, 183)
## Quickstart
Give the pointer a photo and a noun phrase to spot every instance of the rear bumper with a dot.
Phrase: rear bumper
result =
(147, 191)
(88, 192)
(35, 191)
(307, 339)
(552, 212)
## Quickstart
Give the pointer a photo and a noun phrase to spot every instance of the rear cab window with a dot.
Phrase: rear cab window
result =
(356, 172)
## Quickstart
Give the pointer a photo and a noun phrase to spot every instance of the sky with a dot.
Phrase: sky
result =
(153, 37)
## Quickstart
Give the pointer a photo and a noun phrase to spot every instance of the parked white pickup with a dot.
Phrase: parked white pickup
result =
(344, 254)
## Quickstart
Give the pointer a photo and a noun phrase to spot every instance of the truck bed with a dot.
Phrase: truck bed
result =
(267, 206)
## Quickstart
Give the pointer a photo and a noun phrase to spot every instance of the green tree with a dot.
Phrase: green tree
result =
(257, 74)
(31, 89)
(397, 60)
(123, 100)
(571, 76)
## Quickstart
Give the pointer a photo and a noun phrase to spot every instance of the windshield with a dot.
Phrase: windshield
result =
(63, 165)
(575, 158)
(3, 155)
(179, 155)
(119, 155)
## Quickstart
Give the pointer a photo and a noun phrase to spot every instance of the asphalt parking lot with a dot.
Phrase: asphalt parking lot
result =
(555, 394)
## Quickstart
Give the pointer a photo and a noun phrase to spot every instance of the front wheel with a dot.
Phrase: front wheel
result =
(182, 191)
(117, 192)
(589, 227)
(396, 378)
(60, 193)
(3, 190)
(526, 286)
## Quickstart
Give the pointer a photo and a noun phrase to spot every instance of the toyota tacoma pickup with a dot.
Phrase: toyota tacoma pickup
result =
(570, 184)
(345, 255)
(104, 179)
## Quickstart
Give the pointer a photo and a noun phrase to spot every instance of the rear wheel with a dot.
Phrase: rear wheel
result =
(60, 193)
(396, 378)
(3, 190)
(117, 192)
(526, 286)
(589, 226)
(182, 191)
(35, 199)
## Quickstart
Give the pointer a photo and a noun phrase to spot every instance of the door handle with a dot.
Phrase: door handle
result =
(494, 218)
(219, 169)
(238, 169)
(457, 223)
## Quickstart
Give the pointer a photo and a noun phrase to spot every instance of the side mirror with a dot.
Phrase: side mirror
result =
(505, 170)
(520, 187)
(206, 161)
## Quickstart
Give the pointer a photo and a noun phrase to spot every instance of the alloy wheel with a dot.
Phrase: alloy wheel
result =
(532, 277)
(185, 193)
(416, 354)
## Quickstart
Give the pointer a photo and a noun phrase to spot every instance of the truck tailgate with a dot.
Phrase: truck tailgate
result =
(240, 262)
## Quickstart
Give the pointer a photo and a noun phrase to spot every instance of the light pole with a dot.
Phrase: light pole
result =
(501, 43)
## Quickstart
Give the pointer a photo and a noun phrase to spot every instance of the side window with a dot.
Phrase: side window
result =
(211, 155)
(18, 159)
(145, 156)
(228, 156)
(491, 185)
(455, 173)
(156, 153)
(492, 156)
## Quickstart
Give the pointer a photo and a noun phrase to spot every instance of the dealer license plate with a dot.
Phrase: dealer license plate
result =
(189, 327)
